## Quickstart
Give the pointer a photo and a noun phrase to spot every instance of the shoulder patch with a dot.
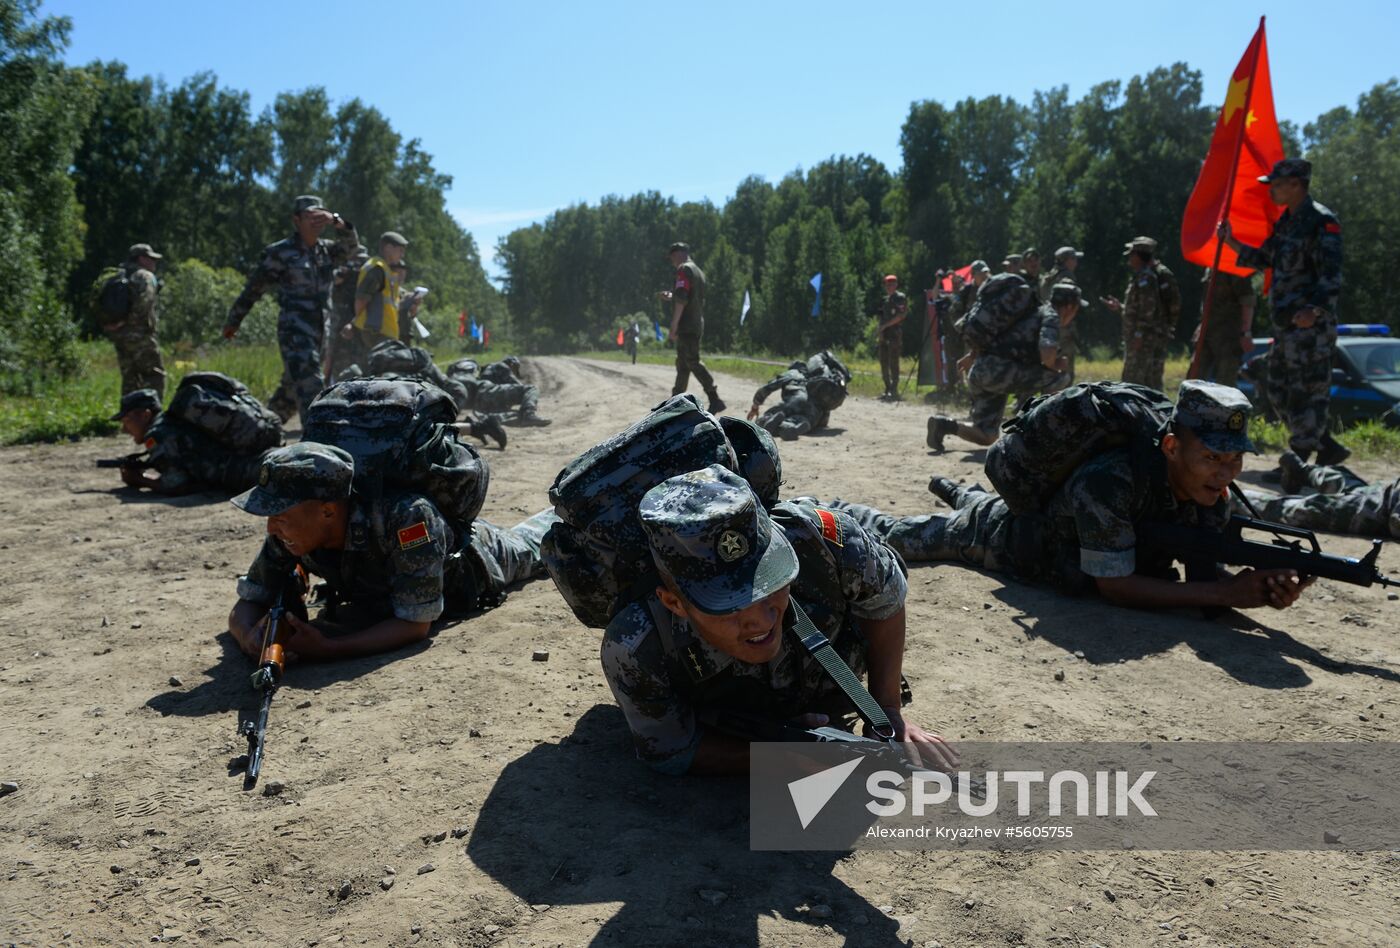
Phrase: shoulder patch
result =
(416, 535)
(1332, 227)
(150, 443)
(831, 527)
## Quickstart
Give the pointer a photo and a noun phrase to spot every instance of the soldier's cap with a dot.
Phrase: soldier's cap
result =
(891, 278)
(1146, 244)
(711, 537)
(306, 202)
(1289, 168)
(512, 360)
(296, 473)
(1068, 252)
(1011, 260)
(142, 250)
(1030, 252)
(134, 401)
(979, 266)
(1066, 293)
(393, 237)
(680, 245)
(1217, 414)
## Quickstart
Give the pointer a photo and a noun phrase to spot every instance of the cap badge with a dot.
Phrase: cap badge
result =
(732, 546)
(1236, 422)
(264, 475)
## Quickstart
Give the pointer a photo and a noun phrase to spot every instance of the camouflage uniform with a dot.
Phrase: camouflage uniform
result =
(689, 287)
(1305, 253)
(350, 351)
(891, 340)
(138, 353)
(186, 458)
(665, 676)
(1010, 365)
(502, 372)
(1222, 348)
(1344, 504)
(304, 277)
(1150, 309)
(954, 348)
(1069, 346)
(516, 402)
(398, 358)
(401, 557)
(1089, 528)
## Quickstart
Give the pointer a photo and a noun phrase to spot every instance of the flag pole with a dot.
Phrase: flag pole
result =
(1225, 213)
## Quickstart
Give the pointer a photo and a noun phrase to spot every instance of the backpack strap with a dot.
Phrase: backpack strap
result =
(820, 648)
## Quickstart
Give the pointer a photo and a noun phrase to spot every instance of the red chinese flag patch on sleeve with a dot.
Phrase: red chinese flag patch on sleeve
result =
(416, 535)
(682, 281)
(831, 527)
(1332, 227)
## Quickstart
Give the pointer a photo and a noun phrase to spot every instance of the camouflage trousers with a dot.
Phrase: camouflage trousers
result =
(791, 419)
(1146, 364)
(890, 344)
(512, 555)
(1300, 382)
(494, 397)
(980, 531)
(138, 357)
(1345, 504)
(1220, 359)
(688, 362)
(299, 338)
(993, 377)
(189, 458)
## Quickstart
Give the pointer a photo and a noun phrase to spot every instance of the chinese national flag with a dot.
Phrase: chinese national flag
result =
(965, 273)
(1245, 145)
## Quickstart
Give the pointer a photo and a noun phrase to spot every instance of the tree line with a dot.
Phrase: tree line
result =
(979, 179)
(96, 159)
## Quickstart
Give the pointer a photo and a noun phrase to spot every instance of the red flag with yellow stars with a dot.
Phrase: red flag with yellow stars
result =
(1245, 145)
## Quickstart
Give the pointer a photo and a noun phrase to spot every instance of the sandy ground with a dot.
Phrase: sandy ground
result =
(119, 696)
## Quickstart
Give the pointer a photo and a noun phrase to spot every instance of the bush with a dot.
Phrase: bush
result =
(194, 301)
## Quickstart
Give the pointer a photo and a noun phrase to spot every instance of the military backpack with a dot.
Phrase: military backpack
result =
(400, 432)
(1004, 301)
(392, 357)
(597, 552)
(1052, 435)
(111, 297)
(223, 408)
(827, 380)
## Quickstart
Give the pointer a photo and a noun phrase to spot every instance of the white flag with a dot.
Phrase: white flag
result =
(745, 312)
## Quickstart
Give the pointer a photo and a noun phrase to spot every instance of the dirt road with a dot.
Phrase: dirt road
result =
(119, 698)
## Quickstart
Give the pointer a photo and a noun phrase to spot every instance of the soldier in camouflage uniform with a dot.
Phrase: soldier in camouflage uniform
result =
(1022, 361)
(1087, 537)
(504, 372)
(807, 390)
(134, 336)
(514, 402)
(343, 344)
(718, 633)
(393, 562)
(179, 459)
(1305, 254)
(1150, 309)
(1012, 264)
(965, 294)
(392, 357)
(890, 335)
(1344, 503)
(1030, 267)
(687, 299)
(302, 268)
(1226, 329)
(1066, 263)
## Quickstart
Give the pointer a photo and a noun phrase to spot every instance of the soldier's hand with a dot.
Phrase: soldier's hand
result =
(132, 476)
(1112, 302)
(1224, 230)
(1306, 317)
(307, 642)
(1276, 588)
(230, 332)
(923, 747)
(753, 412)
(347, 331)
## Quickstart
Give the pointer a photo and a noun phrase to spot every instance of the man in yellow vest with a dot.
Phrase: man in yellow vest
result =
(379, 314)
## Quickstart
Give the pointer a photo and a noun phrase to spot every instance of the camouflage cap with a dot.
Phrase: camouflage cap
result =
(512, 360)
(1064, 252)
(1066, 293)
(1030, 252)
(393, 237)
(711, 537)
(979, 266)
(1144, 244)
(1289, 168)
(757, 452)
(134, 401)
(1217, 414)
(306, 202)
(296, 473)
(142, 250)
(1011, 260)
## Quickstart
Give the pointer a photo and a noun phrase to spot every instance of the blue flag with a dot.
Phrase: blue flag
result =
(475, 330)
(816, 282)
(657, 326)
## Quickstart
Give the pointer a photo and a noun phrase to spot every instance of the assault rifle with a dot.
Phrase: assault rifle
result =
(1200, 549)
(138, 461)
(271, 662)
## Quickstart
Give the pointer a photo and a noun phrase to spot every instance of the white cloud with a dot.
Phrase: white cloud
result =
(470, 217)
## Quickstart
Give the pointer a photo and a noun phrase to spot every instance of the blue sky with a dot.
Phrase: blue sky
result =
(532, 106)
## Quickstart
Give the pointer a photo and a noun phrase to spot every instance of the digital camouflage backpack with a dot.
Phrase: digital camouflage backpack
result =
(1053, 434)
(400, 433)
(827, 380)
(392, 357)
(223, 408)
(1004, 301)
(597, 553)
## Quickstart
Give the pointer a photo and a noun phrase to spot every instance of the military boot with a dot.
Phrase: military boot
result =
(1292, 477)
(938, 427)
(1332, 452)
(717, 404)
(489, 426)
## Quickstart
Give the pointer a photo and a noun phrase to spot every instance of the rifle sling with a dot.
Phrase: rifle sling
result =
(819, 647)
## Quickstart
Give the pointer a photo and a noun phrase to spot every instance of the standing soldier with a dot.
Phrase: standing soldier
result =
(954, 346)
(890, 335)
(1012, 263)
(688, 324)
(302, 267)
(1150, 309)
(1066, 263)
(342, 345)
(1305, 253)
(1227, 329)
(127, 312)
(1030, 267)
